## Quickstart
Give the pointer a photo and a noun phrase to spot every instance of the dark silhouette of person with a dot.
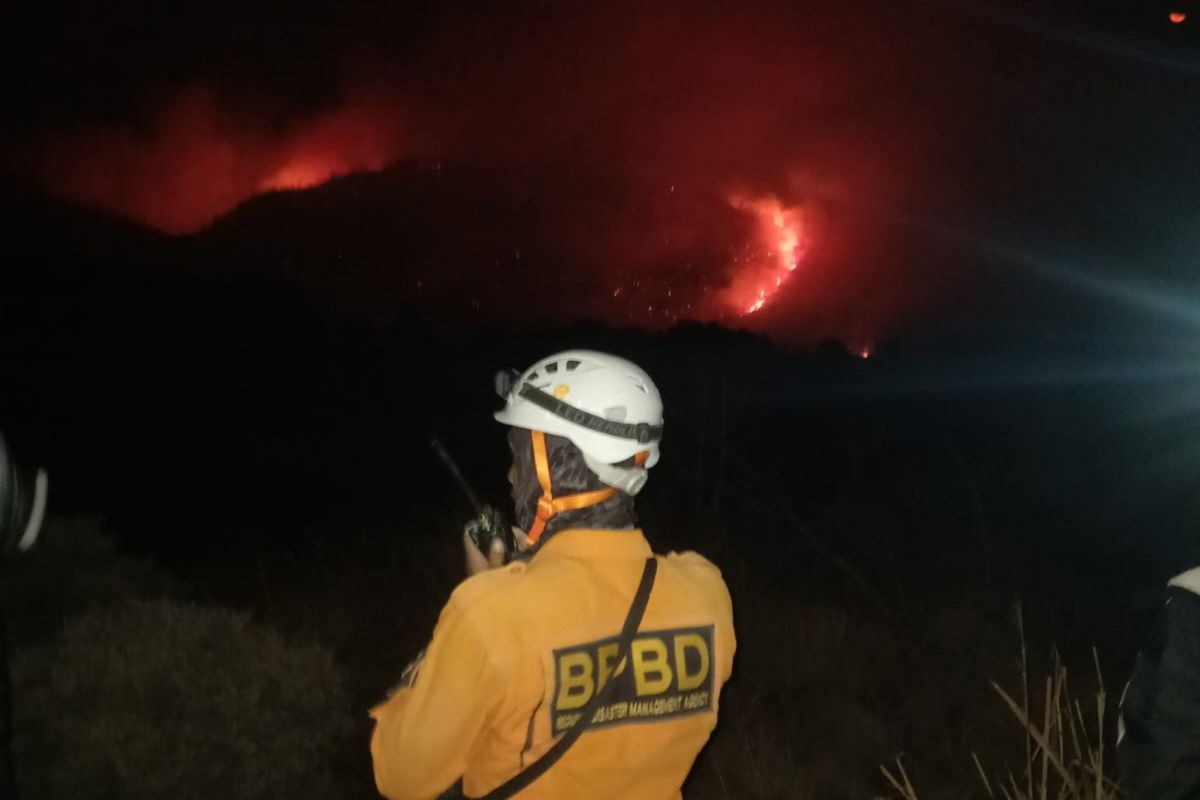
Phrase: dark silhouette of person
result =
(1158, 749)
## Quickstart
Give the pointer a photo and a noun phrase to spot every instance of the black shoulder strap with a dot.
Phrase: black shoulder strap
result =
(633, 619)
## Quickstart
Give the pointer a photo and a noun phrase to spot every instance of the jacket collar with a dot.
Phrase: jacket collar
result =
(595, 543)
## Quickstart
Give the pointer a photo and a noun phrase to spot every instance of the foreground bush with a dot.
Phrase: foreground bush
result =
(75, 567)
(153, 699)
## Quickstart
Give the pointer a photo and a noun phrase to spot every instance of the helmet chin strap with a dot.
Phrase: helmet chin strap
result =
(548, 505)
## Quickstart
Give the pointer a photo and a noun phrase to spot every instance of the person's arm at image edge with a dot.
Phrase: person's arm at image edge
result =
(425, 732)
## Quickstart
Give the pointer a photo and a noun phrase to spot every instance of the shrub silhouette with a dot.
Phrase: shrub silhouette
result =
(76, 567)
(153, 699)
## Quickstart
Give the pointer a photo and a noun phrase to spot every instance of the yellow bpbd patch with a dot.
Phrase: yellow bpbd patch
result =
(666, 674)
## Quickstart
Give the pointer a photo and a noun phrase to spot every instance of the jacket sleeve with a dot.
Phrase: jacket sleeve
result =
(425, 732)
(1159, 754)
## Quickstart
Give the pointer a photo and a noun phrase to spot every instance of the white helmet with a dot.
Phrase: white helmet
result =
(606, 406)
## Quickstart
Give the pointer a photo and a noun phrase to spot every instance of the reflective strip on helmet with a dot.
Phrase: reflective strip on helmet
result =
(640, 432)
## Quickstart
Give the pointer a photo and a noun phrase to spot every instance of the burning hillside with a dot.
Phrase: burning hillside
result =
(722, 173)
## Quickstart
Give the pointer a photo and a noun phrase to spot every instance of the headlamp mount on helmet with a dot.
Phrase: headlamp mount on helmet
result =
(504, 382)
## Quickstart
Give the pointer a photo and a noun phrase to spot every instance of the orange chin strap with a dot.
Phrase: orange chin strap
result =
(548, 505)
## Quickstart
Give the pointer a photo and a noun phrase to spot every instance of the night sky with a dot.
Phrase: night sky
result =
(867, 171)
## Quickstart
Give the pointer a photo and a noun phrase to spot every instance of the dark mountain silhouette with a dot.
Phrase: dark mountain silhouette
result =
(178, 382)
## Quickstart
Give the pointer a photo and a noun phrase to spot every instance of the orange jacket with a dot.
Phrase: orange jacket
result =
(518, 650)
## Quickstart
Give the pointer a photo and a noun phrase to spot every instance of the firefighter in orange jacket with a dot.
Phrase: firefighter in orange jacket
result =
(520, 649)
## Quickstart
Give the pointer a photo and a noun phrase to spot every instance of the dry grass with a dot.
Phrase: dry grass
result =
(1064, 745)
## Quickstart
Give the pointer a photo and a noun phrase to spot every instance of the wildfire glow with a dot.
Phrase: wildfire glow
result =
(297, 176)
(779, 246)
(331, 146)
(304, 174)
(191, 162)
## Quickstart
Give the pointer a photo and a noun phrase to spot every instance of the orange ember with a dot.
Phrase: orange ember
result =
(1177, 17)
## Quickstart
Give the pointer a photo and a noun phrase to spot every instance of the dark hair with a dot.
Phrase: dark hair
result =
(569, 474)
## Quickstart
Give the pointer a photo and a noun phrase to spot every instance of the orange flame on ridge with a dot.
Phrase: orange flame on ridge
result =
(332, 146)
(780, 246)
